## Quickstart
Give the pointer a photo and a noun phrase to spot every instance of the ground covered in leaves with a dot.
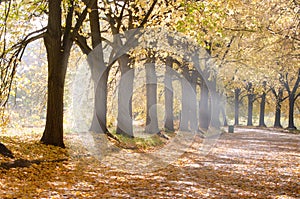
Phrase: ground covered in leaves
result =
(251, 163)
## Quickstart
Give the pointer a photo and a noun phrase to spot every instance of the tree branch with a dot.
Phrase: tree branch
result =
(82, 43)
(67, 35)
(121, 16)
(83, 15)
(28, 39)
(148, 14)
(296, 86)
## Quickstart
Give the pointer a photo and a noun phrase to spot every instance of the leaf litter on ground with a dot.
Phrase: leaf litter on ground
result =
(251, 163)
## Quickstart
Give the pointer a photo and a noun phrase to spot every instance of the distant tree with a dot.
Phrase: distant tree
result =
(278, 93)
(262, 105)
(293, 94)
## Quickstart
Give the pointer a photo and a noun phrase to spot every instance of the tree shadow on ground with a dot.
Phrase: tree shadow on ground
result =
(26, 163)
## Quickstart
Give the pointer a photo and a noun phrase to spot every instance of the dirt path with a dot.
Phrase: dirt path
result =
(250, 163)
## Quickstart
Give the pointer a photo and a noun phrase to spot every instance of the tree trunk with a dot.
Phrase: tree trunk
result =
(262, 111)
(151, 94)
(291, 111)
(100, 74)
(250, 110)
(292, 98)
(262, 107)
(53, 133)
(225, 123)
(237, 92)
(188, 102)
(57, 56)
(250, 104)
(184, 116)
(279, 96)
(100, 107)
(204, 113)
(124, 119)
(215, 105)
(193, 101)
(169, 116)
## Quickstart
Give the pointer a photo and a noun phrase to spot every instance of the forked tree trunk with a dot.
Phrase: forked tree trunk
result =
(262, 111)
(100, 74)
(169, 115)
(57, 55)
(292, 98)
(279, 99)
(124, 119)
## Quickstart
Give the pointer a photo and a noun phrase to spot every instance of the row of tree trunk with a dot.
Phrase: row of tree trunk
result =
(278, 93)
(189, 121)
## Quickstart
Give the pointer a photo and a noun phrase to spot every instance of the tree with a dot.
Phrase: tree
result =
(98, 68)
(251, 99)
(278, 101)
(237, 92)
(58, 44)
(14, 39)
(293, 94)
(263, 106)
(57, 56)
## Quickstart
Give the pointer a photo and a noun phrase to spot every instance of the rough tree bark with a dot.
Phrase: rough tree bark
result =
(58, 52)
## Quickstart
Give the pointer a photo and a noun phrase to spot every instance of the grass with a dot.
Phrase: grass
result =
(142, 144)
